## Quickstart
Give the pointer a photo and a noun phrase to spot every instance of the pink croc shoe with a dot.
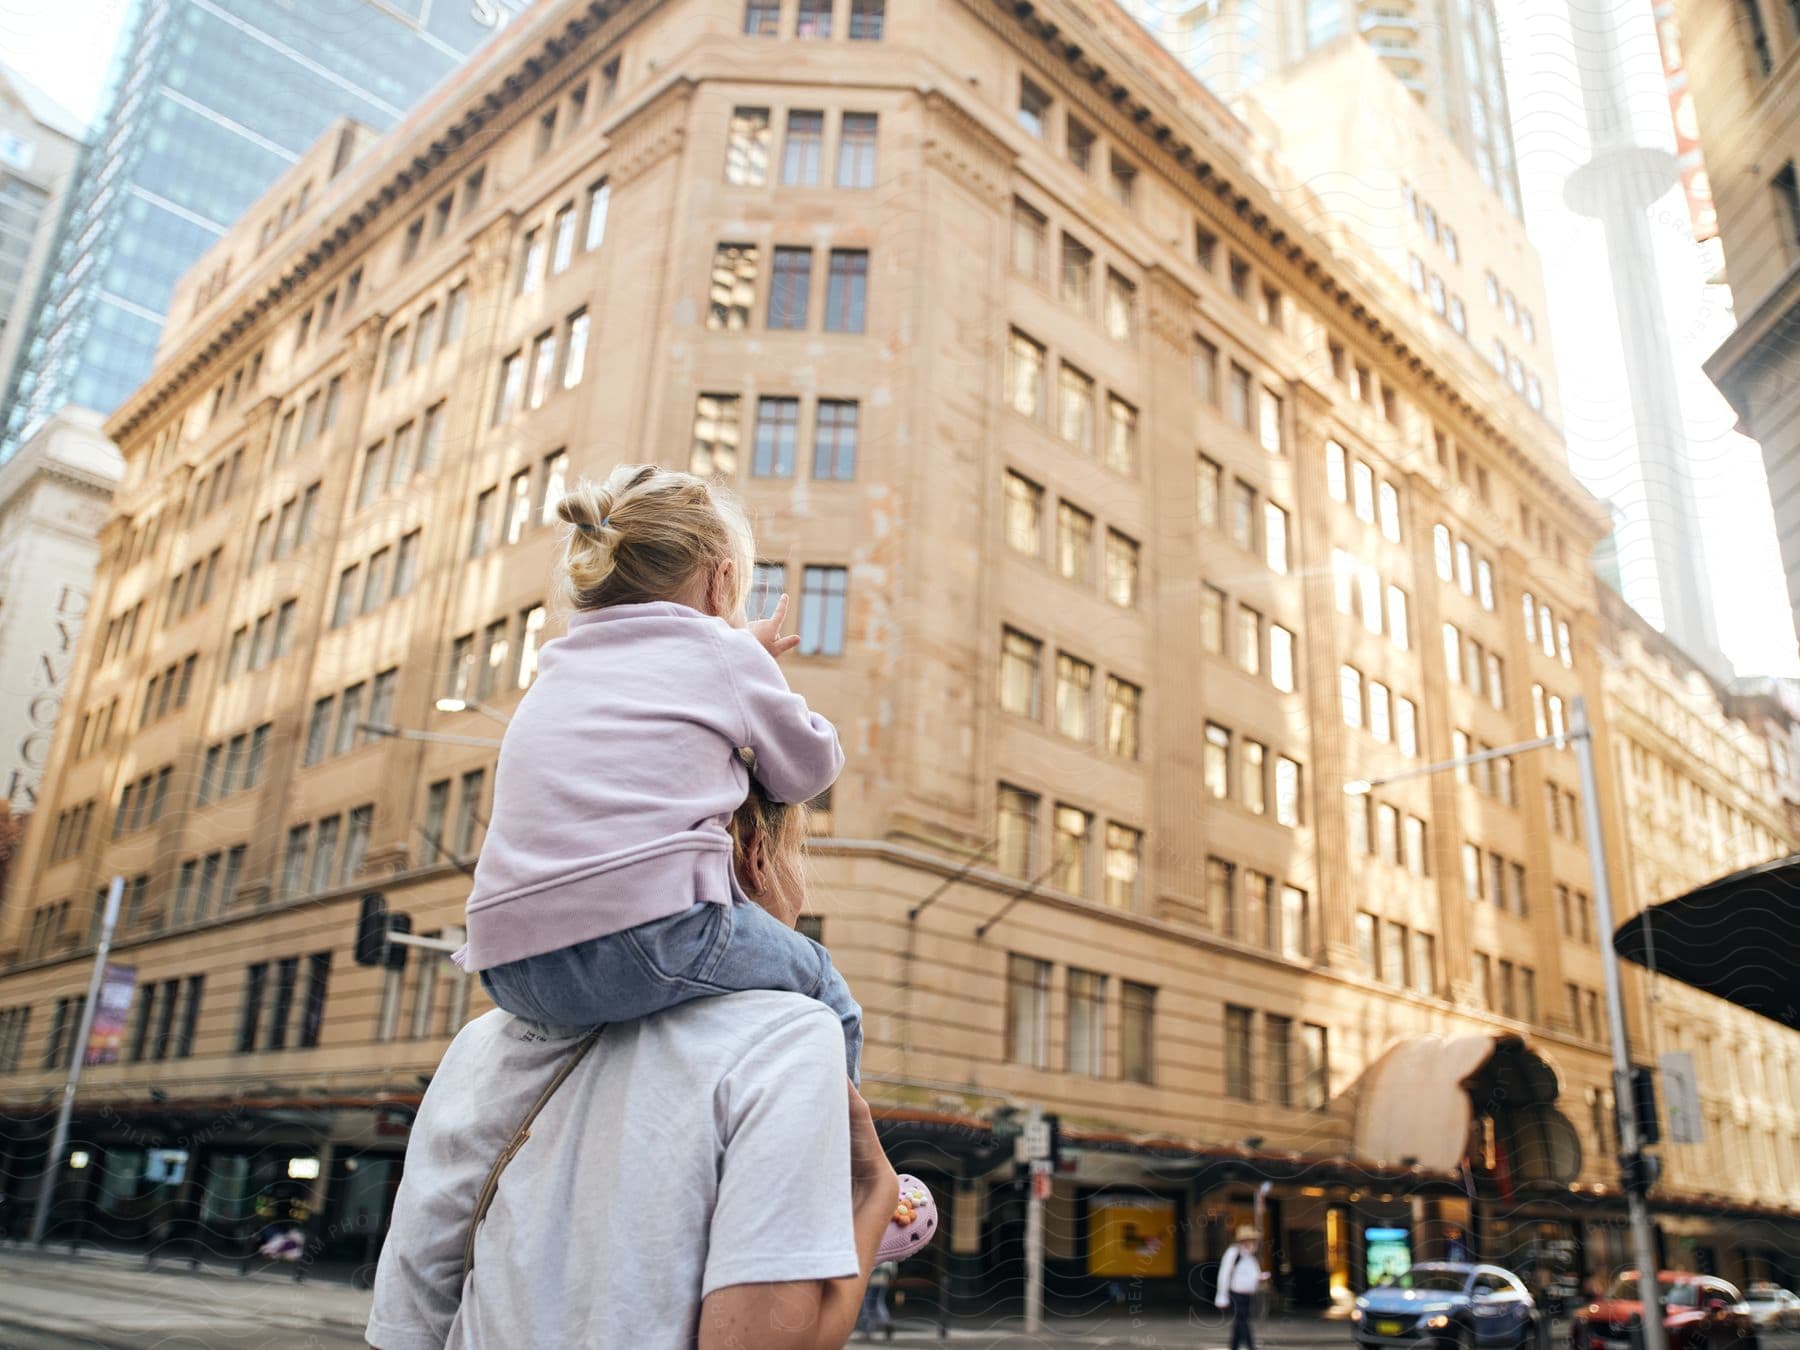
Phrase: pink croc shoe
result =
(915, 1220)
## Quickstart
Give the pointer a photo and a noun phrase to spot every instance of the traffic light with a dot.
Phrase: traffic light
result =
(1643, 1105)
(396, 951)
(371, 930)
(1640, 1172)
(373, 924)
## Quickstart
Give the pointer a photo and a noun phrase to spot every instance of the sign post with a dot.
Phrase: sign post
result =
(78, 1051)
(1034, 1145)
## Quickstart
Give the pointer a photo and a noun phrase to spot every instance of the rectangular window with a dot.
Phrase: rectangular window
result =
(349, 733)
(1086, 1039)
(1275, 537)
(1269, 422)
(714, 450)
(1075, 408)
(1249, 640)
(599, 198)
(1027, 1011)
(1122, 703)
(1024, 509)
(1212, 619)
(1124, 860)
(543, 366)
(856, 151)
(1296, 924)
(256, 979)
(1287, 791)
(1281, 658)
(1243, 515)
(1077, 286)
(1028, 247)
(747, 148)
(1206, 372)
(804, 148)
(1278, 1045)
(1121, 305)
(762, 18)
(531, 262)
(1074, 696)
(1121, 569)
(511, 385)
(1786, 189)
(1034, 109)
(1137, 1046)
(1238, 1023)
(790, 287)
(835, 432)
(1025, 375)
(1015, 833)
(1315, 1074)
(846, 291)
(1020, 658)
(866, 20)
(1074, 542)
(1208, 487)
(777, 433)
(814, 20)
(1237, 391)
(1072, 829)
(468, 811)
(1253, 775)
(823, 598)
(1215, 761)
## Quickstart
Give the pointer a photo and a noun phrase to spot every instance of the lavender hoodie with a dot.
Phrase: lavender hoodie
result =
(619, 772)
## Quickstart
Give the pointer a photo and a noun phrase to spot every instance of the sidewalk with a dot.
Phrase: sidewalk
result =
(269, 1295)
(1195, 1329)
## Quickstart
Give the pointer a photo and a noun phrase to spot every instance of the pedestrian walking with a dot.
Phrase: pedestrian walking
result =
(876, 1315)
(1241, 1276)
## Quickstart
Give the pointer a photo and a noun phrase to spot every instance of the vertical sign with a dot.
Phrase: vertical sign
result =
(106, 1036)
(1695, 185)
(1681, 1097)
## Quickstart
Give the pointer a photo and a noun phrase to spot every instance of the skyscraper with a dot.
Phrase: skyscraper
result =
(210, 101)
(1447, 52)
(39, 145)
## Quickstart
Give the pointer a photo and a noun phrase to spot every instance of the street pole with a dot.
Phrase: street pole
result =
(1035, 1128)
(1581, 734)
(59, 1137)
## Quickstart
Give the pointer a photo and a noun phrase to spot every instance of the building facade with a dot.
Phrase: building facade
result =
(39, 144)
(1743, 77)
(1446, 55)
(1127, 524)
(1706, 787)
(55, 495)
(1388, 172)
(208, 104)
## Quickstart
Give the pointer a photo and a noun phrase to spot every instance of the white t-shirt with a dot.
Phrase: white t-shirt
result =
(704, 1147)
(1240, 1272)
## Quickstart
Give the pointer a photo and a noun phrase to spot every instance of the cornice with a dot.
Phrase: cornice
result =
(961, 145)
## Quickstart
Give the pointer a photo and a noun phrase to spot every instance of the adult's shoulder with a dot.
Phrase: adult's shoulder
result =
(724, 1031)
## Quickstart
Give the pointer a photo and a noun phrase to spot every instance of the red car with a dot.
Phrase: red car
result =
(1699, 1313)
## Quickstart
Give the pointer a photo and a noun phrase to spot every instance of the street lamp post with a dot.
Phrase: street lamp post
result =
(435, 737)
(456, 705)
(1581, 737)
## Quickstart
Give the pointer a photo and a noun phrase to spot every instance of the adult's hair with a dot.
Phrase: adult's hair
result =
(647, 533)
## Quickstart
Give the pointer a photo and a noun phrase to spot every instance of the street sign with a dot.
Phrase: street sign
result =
(1681, 1098)
(1034, 1140)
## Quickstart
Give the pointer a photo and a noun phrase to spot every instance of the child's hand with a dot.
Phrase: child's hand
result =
(768, 631)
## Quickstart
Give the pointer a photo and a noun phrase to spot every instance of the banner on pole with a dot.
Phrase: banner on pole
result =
(1681, 1097)
(106, 1034)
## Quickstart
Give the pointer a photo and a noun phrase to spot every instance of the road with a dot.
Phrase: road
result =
(51, 1301)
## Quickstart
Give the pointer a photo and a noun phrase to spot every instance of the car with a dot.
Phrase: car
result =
(1452, 1304)
(1773, 1308)
(1700, 1312)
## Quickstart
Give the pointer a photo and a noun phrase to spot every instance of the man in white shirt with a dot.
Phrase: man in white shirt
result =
(694, 1156)
(1240, 1276)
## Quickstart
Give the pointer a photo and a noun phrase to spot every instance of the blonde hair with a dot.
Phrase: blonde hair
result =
(783, 826)
(646, 533)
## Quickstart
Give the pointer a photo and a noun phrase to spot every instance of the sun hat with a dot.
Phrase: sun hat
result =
(1247, 1233)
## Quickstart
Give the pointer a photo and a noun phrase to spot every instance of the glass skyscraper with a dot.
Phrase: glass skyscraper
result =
(209, 101)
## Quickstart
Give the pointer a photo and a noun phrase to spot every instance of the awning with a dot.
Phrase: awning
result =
(1737, 938)
(1416, 1104)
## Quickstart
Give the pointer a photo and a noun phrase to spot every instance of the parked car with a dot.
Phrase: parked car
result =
(1773, 1308)
(1700, 1312)
(1451, 1304)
